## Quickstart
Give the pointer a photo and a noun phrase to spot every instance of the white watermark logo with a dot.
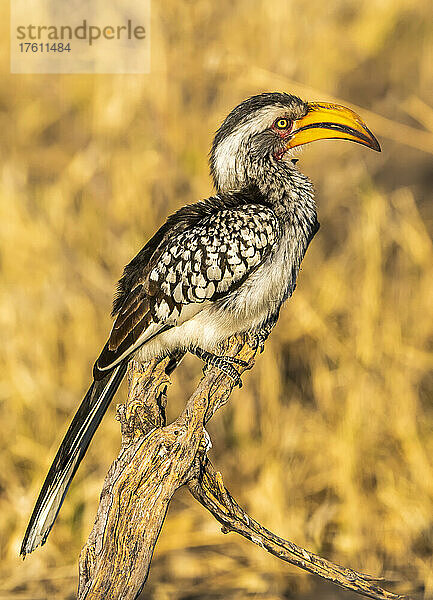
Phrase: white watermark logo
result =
(74, 36)
(87, 32)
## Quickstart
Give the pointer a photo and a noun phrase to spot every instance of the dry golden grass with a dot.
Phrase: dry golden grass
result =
(330, 441)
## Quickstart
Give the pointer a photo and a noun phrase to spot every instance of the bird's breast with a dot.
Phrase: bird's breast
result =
(262, 294)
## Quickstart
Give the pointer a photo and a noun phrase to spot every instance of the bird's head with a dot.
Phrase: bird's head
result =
(257, 137)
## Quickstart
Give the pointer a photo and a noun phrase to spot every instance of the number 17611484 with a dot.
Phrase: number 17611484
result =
(44, 47)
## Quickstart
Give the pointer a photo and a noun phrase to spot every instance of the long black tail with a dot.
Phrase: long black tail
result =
(69, 456)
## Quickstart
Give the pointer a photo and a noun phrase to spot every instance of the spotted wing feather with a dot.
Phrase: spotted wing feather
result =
(205, 262)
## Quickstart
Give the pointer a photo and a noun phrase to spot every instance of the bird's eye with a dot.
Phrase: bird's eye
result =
(282, 123)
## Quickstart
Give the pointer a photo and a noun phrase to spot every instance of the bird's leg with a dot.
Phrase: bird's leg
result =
(259, 336)
(223, 363)
(234, 360)
(175, 359)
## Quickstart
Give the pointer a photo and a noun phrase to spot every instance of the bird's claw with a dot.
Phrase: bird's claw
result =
(223, 363)
(236, 361)
(258, 339)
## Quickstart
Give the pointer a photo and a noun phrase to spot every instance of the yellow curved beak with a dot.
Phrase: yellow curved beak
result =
(331, 121)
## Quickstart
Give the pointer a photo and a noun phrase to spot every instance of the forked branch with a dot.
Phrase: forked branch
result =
(156, 459)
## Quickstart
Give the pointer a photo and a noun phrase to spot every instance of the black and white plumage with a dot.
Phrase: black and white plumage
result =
(218, 267)
(185, 293)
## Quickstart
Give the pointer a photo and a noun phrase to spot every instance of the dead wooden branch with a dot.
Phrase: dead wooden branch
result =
(156, 459)
(210, 491)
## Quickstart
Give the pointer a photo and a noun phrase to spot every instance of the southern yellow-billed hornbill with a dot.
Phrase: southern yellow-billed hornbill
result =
(218, 267)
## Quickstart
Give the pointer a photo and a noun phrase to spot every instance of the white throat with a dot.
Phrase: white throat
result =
(229, 168)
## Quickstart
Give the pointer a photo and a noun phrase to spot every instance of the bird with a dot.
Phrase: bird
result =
(221, 266)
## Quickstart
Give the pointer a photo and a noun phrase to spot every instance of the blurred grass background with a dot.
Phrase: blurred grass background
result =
(330, 441)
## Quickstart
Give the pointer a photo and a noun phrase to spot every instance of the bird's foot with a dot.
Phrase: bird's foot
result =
(258, 337)
(234, 360)
(223, 363)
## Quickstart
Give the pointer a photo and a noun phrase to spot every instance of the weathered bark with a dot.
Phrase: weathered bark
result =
(154, 461)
